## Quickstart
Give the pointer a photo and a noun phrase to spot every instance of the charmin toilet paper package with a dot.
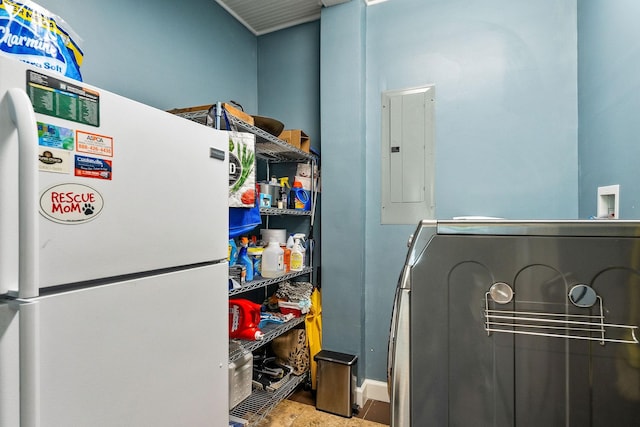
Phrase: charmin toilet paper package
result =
(32, 34)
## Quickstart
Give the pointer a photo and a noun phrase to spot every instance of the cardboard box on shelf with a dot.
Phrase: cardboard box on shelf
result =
(297, 138)
(230, 109)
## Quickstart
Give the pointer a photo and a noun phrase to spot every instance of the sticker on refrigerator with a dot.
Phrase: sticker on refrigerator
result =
(71, 203)
(92, 167)
(92, 143)
(52, 160)
(55, 136)
(58, 98)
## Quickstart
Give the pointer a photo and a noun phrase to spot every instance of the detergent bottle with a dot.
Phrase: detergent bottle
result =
(297, 253)
(244, 259)
(244, 318)
(299, 197)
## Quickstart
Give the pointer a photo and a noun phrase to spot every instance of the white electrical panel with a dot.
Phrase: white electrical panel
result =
(407, 158)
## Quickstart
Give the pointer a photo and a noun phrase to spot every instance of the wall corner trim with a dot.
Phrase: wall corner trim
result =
(372, 389)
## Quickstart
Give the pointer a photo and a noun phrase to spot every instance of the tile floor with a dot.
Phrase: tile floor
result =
(372, 410)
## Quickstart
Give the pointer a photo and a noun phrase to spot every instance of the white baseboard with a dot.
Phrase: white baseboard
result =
(372, 389)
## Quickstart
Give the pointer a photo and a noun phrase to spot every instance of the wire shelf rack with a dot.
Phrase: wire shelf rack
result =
(276, 211)
(261, 283)
(274, 150)
(269, 147)
(200, 116)
(256, 407)
(270, 332)
(588, 327)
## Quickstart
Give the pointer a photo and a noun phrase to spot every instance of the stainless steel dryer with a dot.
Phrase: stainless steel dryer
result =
(518, 323)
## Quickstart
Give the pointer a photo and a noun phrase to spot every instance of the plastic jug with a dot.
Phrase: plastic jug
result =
(272, 260)
(244, 318)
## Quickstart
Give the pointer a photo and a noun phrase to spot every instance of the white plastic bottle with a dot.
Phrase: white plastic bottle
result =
(272, 260)
(297, 256)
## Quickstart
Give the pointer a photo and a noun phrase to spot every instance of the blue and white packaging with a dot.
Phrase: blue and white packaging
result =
(32, 34)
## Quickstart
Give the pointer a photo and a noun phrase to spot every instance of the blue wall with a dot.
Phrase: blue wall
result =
(506, 135)
(164, 53)
(344, 209)
(289, 76)
(609, 102)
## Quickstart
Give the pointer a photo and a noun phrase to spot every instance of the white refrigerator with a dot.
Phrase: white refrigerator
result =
(113, 271)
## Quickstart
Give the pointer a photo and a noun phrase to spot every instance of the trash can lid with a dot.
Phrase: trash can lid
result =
(336, 357)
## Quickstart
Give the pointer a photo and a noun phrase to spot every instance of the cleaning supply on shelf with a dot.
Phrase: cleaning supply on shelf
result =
(244, 259)
(299, 198)
(255, 254)
(244, 318)
(232, 254)
(237, 276)
(286, 258)
(297, 253)
(272, 260)
(284, 189)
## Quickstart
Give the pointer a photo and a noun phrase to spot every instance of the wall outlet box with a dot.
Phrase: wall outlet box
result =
(609, 202)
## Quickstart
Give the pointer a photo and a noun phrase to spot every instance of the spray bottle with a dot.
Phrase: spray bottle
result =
(284, 184)
(297, 252)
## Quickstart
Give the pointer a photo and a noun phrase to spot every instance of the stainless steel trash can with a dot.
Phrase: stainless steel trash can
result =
(336, 382)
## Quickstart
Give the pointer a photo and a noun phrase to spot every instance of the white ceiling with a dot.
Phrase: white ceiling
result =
(264, 16)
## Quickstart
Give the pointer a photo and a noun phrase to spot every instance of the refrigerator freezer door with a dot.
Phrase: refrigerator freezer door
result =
(147, 352)
(9, 366)
(141, 191)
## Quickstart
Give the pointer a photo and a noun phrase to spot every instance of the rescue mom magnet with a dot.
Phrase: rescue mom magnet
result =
(71, 203)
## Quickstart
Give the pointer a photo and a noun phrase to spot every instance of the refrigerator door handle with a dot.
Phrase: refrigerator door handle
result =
(22, 115)
(29, 359)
